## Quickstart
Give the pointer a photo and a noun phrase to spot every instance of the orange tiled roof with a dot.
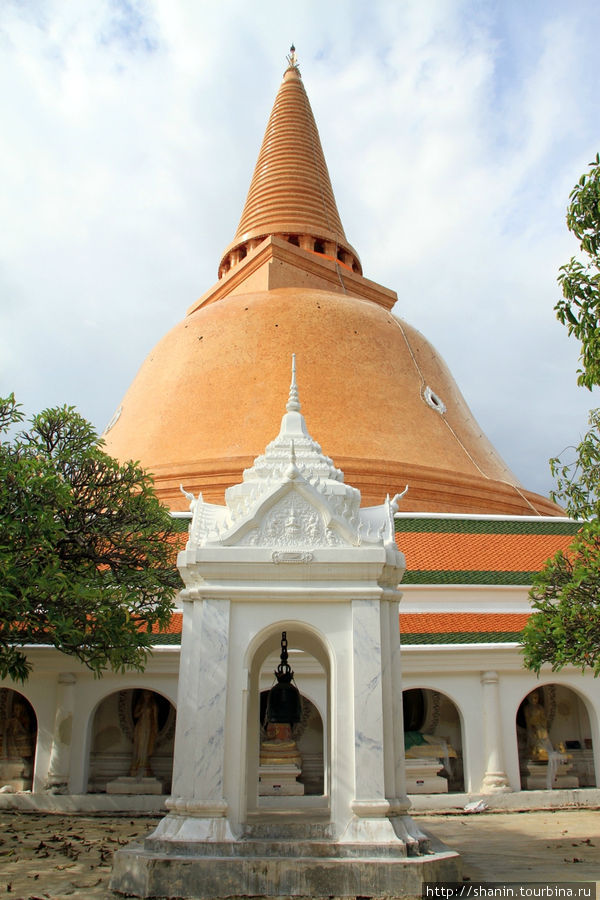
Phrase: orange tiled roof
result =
(461, 628)
(174, 626)
(434, 623)
(480, 551)
(484, 552)
(465, 550)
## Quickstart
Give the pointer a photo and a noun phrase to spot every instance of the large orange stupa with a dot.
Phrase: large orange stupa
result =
(375, 393)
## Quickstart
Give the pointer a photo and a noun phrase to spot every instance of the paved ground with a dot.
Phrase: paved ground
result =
(551, 845)
(47, 857)
(56, 856)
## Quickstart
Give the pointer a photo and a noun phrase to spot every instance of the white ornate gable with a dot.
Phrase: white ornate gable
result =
(293, 522)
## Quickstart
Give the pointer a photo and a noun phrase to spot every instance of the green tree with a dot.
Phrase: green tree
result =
(87, 553)
(565, 625)
(580, 281)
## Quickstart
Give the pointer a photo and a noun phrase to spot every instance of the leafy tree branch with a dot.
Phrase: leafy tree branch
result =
(87, 553)
(564, 628)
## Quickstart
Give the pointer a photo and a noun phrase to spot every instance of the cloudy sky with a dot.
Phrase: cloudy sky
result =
(453, 131)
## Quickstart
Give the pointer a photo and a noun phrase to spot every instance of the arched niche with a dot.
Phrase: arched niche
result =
(433, 743)
(18, 740)
(554, 739)
(309, 658)
(114, 737)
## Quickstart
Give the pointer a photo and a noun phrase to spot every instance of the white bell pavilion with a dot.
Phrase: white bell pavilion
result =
(290, 551)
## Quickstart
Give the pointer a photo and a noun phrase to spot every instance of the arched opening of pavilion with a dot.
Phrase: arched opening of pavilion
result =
(554, 739)
(309, 788)
(433, 743)
(18, 740)
(132, 737)
(309, 737)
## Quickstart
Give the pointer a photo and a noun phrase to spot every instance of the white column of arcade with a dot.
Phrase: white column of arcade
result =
(495, 779)
(60, 754)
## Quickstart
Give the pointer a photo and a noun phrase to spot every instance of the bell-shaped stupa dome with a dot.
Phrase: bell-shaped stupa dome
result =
(376, 395)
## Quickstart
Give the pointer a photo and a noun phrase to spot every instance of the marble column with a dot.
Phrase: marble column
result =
(495, 779)
(199, 757)
(60, 754)
(405, 828)
(395, 666)
(368, 702)
(370, 806)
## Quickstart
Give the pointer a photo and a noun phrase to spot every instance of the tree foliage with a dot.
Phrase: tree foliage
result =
(565, 625)
(87, 555)
(579, 309)
(564, 628)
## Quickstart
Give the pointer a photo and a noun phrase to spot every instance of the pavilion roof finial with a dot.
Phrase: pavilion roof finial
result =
(293, 404)
(292, 58)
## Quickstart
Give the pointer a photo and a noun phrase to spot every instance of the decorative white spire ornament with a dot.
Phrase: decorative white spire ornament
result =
(293, 404)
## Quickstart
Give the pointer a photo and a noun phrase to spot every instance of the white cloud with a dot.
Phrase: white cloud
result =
(453, 133)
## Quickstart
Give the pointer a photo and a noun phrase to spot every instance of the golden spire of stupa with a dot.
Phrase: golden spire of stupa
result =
(290, 194)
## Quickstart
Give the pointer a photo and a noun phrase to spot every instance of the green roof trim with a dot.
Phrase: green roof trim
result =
(463, 637)
(486, 526)
(169, 638)
(180, 525)
(446, 576)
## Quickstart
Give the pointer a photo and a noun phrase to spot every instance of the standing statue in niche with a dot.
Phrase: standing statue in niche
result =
(542, 753)
(536, 721)
(18, 737)
(17, 746)
(145, 717)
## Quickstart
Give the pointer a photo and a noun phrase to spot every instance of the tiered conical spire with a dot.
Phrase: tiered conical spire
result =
(290, 194)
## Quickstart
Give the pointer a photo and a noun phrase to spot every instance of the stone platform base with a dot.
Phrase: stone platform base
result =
(538, 782)
(134, 785)
(279, 780)
(15, 775)
(536, 777)
(144, 874)
(279, 869)
(15, 785)
(422, 777)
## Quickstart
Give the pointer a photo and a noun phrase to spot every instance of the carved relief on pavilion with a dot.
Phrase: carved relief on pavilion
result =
(292, 523)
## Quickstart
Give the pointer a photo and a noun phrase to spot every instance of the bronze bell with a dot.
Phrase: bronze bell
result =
(283, 703)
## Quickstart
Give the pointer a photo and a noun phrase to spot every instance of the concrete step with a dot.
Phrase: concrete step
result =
(275, 849)
(274, 830)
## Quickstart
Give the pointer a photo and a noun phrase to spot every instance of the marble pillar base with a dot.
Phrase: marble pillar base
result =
(184, 831)
(399, 833)
(276, 780)
(495, 783)
(422, 777)
(132, 785)
(57, 785)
